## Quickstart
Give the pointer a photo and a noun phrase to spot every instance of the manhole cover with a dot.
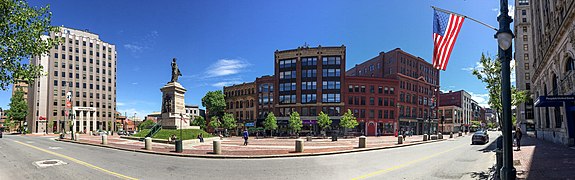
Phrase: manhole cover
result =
(48, 163)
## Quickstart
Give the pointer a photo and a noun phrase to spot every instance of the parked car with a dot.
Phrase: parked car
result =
(480, 137)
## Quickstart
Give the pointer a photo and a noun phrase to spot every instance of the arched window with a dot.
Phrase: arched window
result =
(570, 65)
(555, 85)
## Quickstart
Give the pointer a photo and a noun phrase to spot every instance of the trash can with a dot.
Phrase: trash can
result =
(1, 134)
(179, 146)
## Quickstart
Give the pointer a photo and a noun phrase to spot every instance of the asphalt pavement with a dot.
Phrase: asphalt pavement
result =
(450, 159)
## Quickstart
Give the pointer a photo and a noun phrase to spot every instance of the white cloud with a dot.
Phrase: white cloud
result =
(134, 48)
(120, 104)
(477, 66)
(225, 83)
(481, 99)
(224, 67)
(511, 10)
(134, 83)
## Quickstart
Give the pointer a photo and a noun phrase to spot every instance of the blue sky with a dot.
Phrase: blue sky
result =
(223, 42)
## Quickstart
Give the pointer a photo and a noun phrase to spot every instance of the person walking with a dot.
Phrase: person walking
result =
(518, 135)
(246, 135)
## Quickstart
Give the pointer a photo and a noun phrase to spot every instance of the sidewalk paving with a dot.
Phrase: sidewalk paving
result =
(539, 159)
(233, 146)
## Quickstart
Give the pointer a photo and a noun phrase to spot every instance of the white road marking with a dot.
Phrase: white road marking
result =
(30, 142)
(48, 163)
(54, 148)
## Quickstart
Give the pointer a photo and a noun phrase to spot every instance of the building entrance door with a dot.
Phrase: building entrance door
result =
(371, 129)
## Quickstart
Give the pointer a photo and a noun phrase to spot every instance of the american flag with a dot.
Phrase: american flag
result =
(445, 30)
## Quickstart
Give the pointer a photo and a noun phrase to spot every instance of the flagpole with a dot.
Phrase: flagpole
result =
(451, 12)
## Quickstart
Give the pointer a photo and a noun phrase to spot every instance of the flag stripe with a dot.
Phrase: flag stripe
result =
(446, 29)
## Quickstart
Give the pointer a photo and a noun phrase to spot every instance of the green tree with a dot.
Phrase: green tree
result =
(199, 121)
(228, 121)
(270, 122)
(348, 121)
(18, 107)
(215, 122)
(489, 72)
(323, 121)
(215, 103)
(295, 122)
(21, 30)
(146, 124)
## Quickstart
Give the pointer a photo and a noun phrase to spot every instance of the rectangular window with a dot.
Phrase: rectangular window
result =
(525, 48)
(526, 66)
(527, 76)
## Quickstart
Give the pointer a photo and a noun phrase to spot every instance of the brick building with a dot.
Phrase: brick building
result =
(416, 85)
(462, 99)
(372, 101)
(265, 96)
(308, 80)
(241, 100)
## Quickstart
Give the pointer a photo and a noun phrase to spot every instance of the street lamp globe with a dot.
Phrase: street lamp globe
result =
(504, 40)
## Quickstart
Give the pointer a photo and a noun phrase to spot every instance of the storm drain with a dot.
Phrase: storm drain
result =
(49, 163)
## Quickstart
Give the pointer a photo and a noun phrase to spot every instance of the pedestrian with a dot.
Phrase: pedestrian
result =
(518, 135)
(246, 135)
(201, 137)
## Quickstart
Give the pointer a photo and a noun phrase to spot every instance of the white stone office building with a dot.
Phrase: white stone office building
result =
(553, 79)
(523, 60)
(83, 65)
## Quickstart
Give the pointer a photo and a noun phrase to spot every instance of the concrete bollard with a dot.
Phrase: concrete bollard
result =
(459, 134)
(399, 140)
(104, 139)
(77, 137)
(450, 134)
(148, 143)
(308, 138)
(362, 141)
(425, 137)
(299, 145)
(217, 147)
(440, 136)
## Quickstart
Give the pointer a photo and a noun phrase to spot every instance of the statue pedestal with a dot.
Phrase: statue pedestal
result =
(173, 107)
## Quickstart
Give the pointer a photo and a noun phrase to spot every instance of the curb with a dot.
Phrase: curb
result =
(207, 156)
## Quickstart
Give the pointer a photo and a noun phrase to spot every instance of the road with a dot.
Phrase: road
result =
(451, 159)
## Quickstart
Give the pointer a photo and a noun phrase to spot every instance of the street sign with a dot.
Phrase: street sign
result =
(251, 124)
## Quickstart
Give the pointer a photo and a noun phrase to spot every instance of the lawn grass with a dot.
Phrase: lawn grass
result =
(166, 133)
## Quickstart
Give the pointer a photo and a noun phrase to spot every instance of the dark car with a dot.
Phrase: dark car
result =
(480, 137)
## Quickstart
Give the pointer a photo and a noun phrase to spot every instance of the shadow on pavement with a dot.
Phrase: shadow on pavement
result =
(484, 175)
(491, 147)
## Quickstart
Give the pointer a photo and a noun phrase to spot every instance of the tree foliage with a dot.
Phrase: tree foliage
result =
(21, 30)
(199, 121)
(146, 124)
(323, 120)
(228, 121)
(215, 103)
(348, 120)
(215, 122)
(270, 122)
(490, 73)
(18, 106)
(295, 122)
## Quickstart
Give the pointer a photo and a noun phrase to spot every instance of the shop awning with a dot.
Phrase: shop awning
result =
(553, 101)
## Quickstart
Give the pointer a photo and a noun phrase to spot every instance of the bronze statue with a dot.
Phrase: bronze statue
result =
(175, 71)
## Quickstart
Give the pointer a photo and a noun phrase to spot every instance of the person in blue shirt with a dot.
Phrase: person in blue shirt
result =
(246, 135)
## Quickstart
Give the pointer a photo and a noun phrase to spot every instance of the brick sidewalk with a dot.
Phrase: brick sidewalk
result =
(262, 146)
(540, 159)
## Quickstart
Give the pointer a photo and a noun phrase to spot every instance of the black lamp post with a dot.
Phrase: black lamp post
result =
(504, 38)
